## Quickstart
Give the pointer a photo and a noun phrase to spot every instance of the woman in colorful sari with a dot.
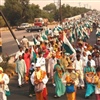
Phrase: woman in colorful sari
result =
(89, 72)
(60, 88)
(26, 57)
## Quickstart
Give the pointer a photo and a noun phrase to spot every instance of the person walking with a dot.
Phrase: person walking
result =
(89, 72)
(51, 63)
(26, 57)
(21, 71)
(25, 42)
(78, 65)
(19, 52)
(31, 86)
(41, 60)
(39, 79)
(70, 82)
(58, 73)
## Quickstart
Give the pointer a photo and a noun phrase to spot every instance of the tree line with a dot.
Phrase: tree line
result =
(19, 11)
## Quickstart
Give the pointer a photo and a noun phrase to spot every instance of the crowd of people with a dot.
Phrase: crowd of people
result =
(49, 60)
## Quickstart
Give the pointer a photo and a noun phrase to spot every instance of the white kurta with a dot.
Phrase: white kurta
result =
(84, 59)
(79, 68)
(6, 80)
(18, 54)
(92, 63)
(25, 43)
(44, 80)
(51, 64)
(42, 62)
(20, 70)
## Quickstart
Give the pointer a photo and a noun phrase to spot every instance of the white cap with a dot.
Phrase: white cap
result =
(37, 65)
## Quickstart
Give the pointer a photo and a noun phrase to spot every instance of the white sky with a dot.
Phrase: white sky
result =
(93, 4)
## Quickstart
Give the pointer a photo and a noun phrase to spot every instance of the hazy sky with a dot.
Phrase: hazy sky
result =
(93, 4)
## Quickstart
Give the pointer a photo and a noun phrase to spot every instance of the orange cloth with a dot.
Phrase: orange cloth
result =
(70, 96)
(39, 96)
(42, 95)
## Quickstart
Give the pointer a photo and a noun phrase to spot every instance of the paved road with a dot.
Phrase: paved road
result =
(22, 93)
(9, 45)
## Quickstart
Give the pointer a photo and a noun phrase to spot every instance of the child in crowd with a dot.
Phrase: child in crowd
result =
(31, 87)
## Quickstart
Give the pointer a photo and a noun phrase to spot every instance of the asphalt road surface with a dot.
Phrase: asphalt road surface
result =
(9, 45)
(22, 93)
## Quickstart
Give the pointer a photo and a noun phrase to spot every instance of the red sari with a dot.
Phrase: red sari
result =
(27, 61)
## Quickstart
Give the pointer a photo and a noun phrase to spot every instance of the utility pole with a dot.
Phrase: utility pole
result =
(18, 43)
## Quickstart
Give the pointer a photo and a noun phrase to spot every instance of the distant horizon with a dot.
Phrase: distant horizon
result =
(90, 4)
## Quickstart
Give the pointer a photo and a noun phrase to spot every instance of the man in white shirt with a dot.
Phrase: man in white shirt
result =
(87, 51)
(52, 61)
(25, 43)
(78, 65)
(84, 59)
(20, 52)
(41, 61)
(91, 61)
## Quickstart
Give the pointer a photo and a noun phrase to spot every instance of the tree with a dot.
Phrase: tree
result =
(16, 10)
(49, 8)
(20, 11)
(36, 10)
(2, 23)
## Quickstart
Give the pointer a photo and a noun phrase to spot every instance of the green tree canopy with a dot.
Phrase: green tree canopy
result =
(20, 11)
(2, 23)
(50, 7)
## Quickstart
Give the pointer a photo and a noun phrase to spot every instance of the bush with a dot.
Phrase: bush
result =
(9, 69)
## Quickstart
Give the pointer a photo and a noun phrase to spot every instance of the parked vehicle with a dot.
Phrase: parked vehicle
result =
(23, 26)
(34, 28)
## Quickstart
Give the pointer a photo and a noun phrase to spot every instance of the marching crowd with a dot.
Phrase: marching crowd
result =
(69, 66)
